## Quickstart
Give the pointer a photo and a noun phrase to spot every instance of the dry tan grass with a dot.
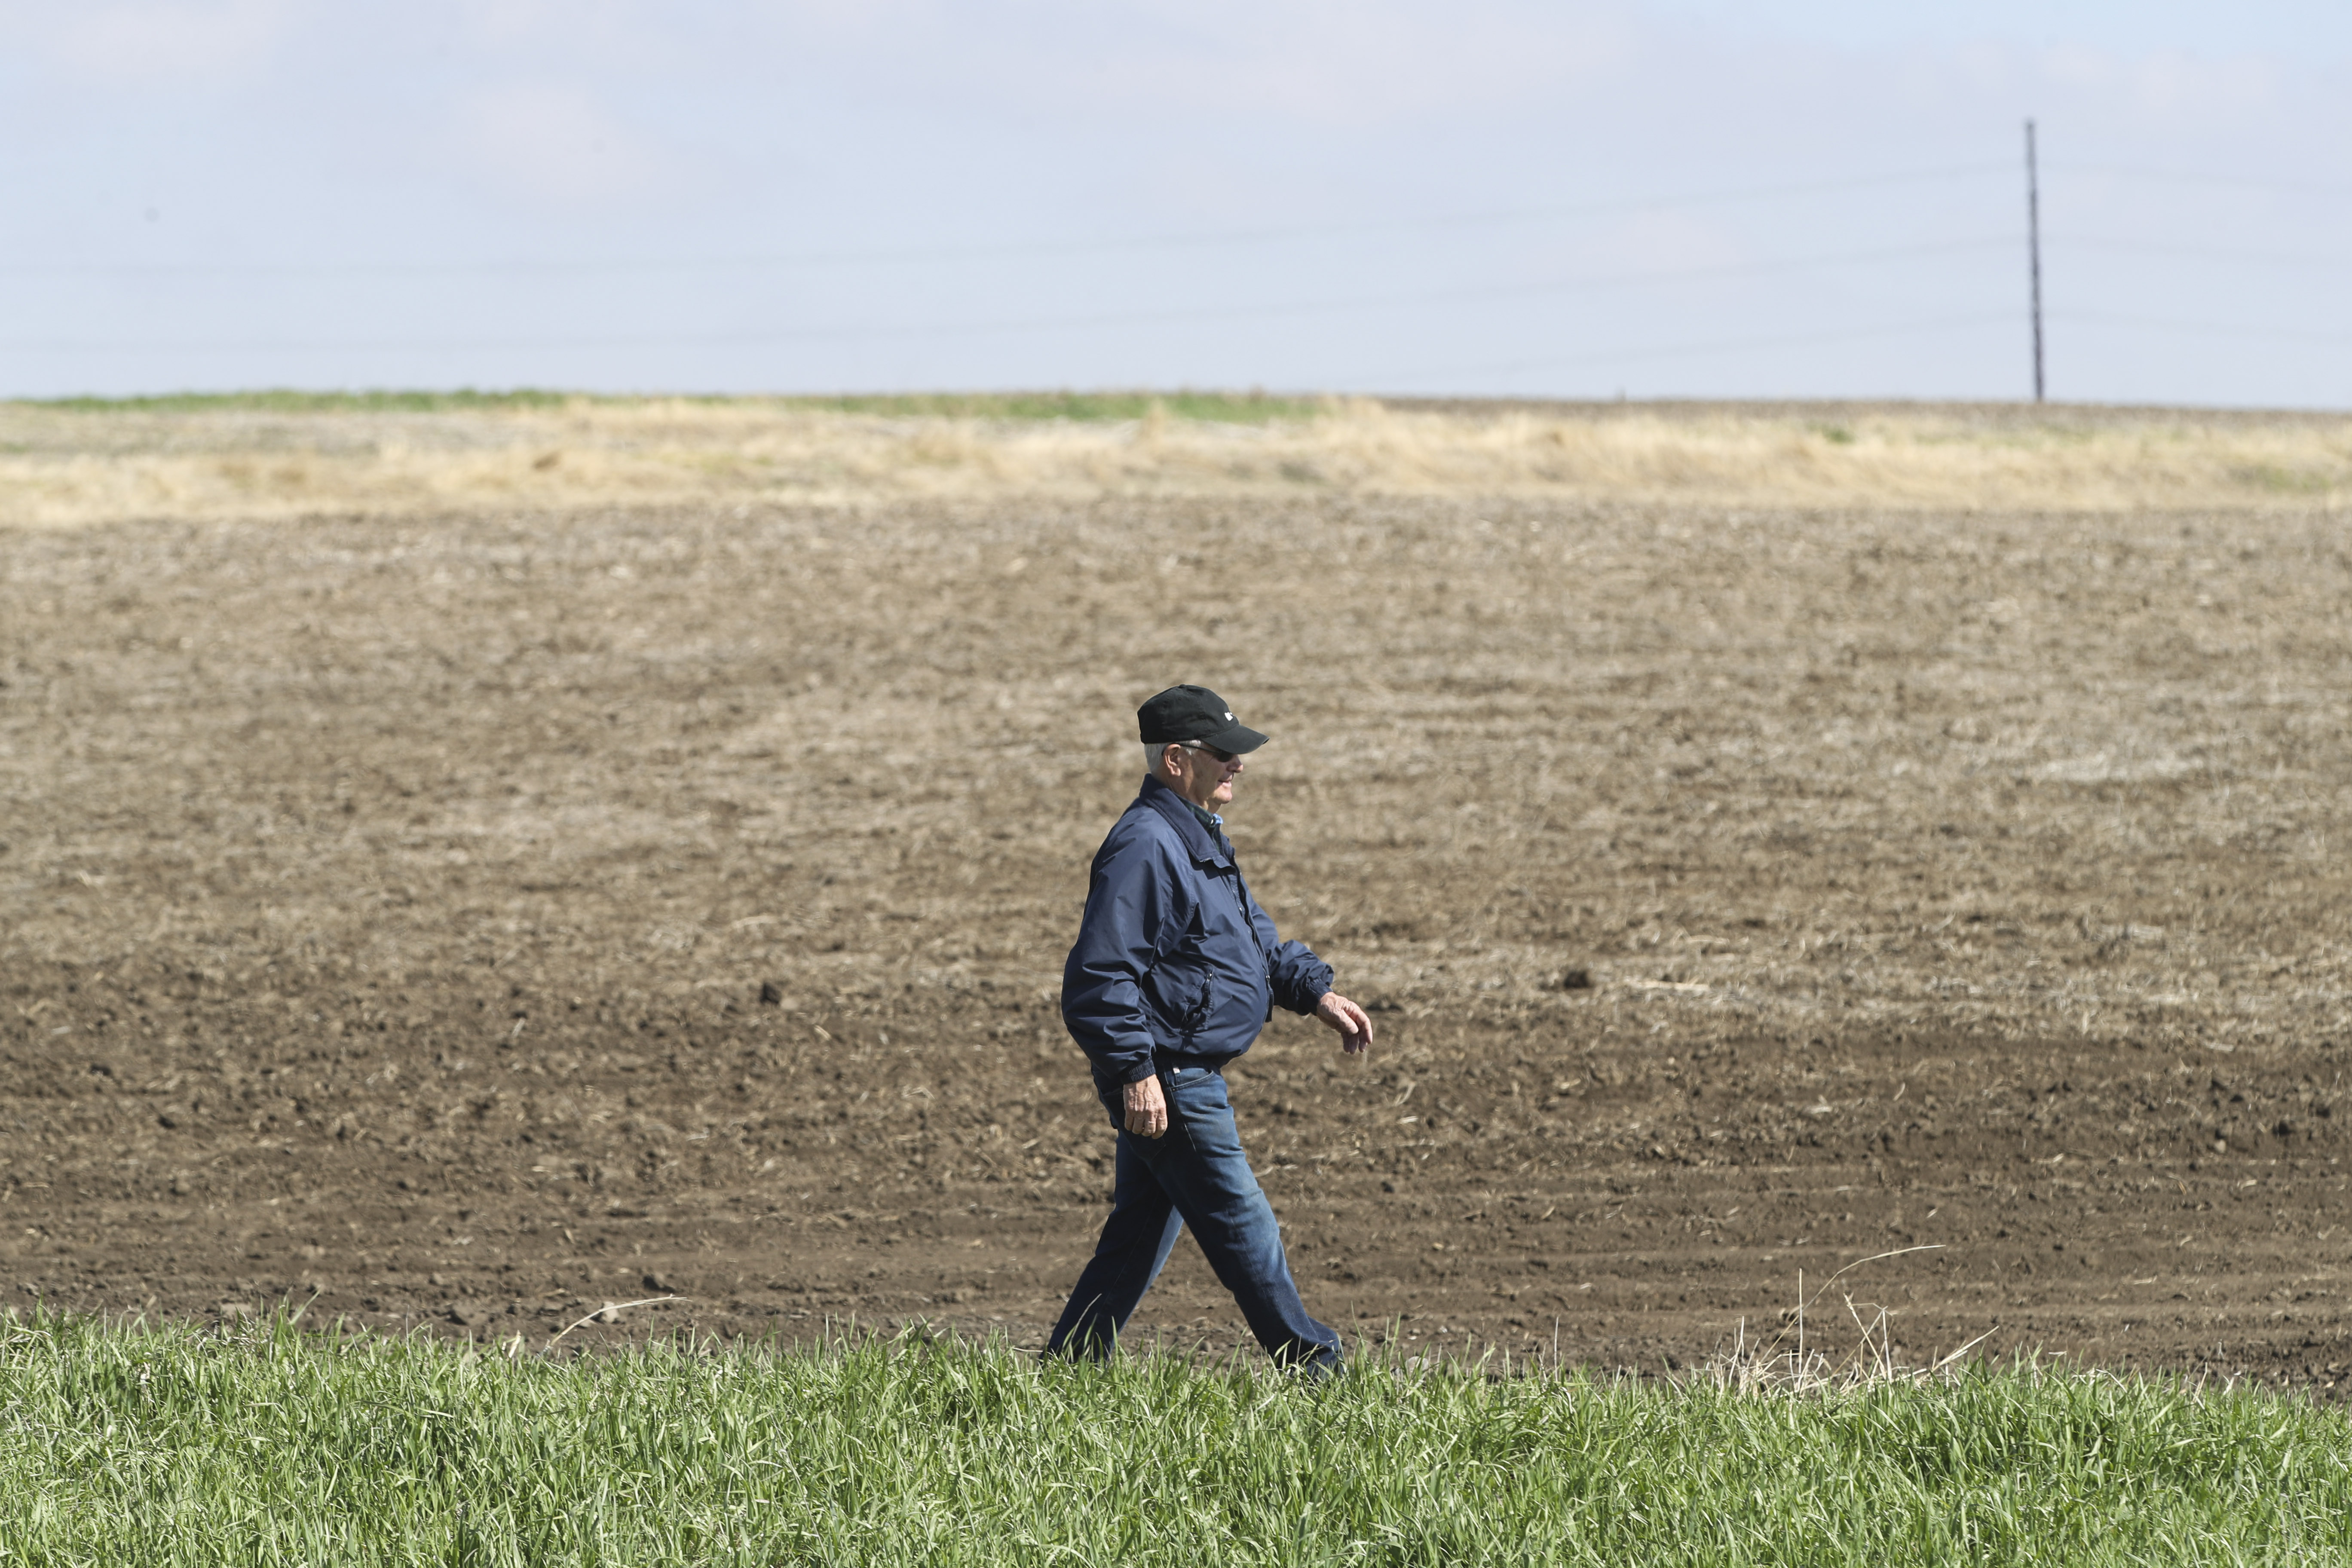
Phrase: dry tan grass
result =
(61, 467)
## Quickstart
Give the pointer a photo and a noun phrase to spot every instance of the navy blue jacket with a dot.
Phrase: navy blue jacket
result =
(1174, 959)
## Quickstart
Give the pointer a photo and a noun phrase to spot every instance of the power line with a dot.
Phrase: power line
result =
(1057, 324)
(545, 266)
(2180, 177)
(554, 266)
(2209, 329)
(1247, 312)
(2205, 253)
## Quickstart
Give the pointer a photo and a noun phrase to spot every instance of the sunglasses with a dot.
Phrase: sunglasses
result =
(1199, 746)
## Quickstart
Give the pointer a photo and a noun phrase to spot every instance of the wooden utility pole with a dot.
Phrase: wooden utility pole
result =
(2033, 249)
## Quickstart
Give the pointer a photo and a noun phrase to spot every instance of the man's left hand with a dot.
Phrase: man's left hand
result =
(1355, 1025)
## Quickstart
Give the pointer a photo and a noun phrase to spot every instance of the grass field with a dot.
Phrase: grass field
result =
(1248, 408)
(284, 454)
(130, 1446)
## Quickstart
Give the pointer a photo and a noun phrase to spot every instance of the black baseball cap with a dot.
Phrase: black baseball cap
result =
(1195, 714)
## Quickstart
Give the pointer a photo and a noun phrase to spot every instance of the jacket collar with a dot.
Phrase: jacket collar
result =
(1198, 839)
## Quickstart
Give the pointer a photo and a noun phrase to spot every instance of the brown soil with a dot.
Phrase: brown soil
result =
(385, 907)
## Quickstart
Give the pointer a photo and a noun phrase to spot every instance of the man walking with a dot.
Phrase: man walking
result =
(1175, 971)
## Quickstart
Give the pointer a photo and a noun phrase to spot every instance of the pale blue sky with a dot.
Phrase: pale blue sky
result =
(1700, 199)
(2284, 27)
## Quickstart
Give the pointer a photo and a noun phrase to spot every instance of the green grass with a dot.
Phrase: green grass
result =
(1218, 407)
(287, 401)
(1086, 408)
(134, 1445)
(2286, 482)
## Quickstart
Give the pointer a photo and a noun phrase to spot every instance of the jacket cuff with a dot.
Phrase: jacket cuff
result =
(1307, 998)
(1139, 1072)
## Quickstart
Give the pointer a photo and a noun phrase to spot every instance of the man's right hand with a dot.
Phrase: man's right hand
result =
(1146, 1107)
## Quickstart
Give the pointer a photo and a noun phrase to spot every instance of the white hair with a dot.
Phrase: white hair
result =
(1154, 753)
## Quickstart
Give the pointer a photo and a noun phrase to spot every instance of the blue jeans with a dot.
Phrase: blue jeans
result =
(1194, 1174)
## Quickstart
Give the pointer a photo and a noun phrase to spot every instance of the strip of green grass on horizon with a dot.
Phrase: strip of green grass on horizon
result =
(286, 400)
(131, 1444)
(1085, 408)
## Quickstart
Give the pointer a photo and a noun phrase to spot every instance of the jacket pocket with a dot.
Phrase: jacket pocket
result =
(1183, 996)
(1196, 1015)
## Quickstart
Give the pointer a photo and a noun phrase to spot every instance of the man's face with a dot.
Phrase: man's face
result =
(1208, 777)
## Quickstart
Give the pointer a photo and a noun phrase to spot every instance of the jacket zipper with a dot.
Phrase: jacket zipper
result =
(1265, 965)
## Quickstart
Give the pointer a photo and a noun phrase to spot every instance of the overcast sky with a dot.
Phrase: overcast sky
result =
(1704, 198)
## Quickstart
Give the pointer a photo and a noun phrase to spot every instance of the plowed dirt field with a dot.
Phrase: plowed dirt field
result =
(386, 905)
